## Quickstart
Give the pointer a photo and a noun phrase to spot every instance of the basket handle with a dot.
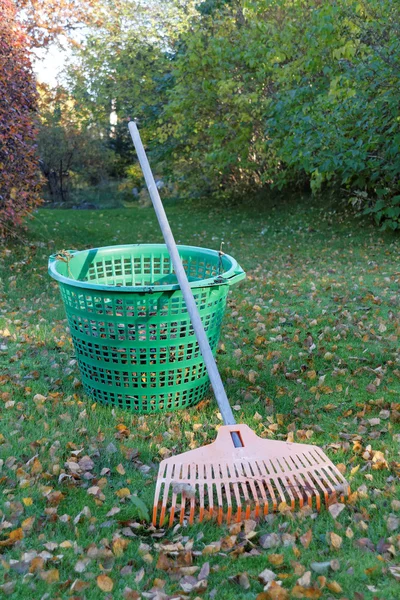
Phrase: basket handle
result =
(53, 257)
(215, 378)
(237, 276)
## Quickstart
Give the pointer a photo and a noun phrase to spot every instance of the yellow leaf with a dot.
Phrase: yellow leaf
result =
(105, 583)
(27, 501)
(354, 470)
(283, 507)
(123, 493)
(336, 540)
(276, 559)
(28, 523)
(119, 546)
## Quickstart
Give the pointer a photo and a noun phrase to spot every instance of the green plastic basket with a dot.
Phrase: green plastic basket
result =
(132, 334)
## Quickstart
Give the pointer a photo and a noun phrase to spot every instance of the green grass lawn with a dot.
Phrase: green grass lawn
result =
(317, 278)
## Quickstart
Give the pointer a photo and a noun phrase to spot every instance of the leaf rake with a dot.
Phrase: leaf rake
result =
(240, 474)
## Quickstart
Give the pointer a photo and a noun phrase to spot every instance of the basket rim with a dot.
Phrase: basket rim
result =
(224, 279)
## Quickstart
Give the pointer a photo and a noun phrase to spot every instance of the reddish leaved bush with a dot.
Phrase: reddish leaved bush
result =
(19, 169)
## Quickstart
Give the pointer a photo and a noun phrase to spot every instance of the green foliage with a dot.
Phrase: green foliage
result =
(285, 93)
(335, 114)
(71, 153)
(235, 95)
(140, 509)
(19, 174)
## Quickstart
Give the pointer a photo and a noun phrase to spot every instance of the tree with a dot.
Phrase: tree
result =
(125, 66)
(19, 176)
(68, 148)
(47, 20)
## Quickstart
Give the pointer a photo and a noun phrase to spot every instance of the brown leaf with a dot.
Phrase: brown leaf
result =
(36, 564)
(274, 592)
(276, 559)
(306, 539)
(212, 548)
(14, 536)
(333, 586)
(50, 576)
(36, 467)
(242, 580)
(105, 583)
(129, 594)
(302, 592)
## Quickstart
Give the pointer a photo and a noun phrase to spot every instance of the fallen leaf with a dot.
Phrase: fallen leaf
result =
(333, 586)
(123, 493)
(14, 536)
(335, 540)
(392, 522)
(266, 576)
(302, 592)
(306, 539)
(270, 540)
(305, 579)
(105, 583)
(50, 576)
(395, 572)
(129, 594)
(27, 524)
(276, 559)
(119, 546)
(274, 592)
(336, 509)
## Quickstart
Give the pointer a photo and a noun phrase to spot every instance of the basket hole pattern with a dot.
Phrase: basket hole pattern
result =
(147, 270)
(143, 379)
(153, 403)
(137, 305)
(136, 356)
(133, 332)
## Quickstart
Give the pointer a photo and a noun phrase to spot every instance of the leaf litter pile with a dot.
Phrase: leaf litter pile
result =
(309, 352)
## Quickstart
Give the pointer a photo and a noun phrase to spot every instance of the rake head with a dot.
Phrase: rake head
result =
(219, 480)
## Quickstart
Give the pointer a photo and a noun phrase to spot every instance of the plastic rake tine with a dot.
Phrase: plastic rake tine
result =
(280, 473)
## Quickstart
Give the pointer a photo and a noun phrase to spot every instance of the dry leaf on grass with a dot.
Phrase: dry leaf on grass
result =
(105, 583)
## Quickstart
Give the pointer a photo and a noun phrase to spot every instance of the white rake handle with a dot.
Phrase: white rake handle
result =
(215, 378)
